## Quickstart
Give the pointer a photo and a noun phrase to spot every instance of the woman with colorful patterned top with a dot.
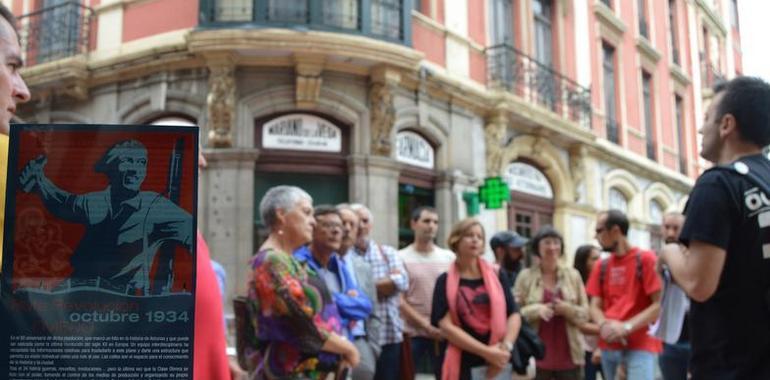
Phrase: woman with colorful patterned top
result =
(296, 322)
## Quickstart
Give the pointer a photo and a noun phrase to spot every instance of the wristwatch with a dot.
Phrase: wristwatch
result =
(507, 345)
(627, 327)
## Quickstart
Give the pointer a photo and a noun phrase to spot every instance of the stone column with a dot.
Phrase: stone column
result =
(226, 214)
(376, 185)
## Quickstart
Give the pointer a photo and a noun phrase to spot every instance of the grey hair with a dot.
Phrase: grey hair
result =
(280, 197)
(358, 207)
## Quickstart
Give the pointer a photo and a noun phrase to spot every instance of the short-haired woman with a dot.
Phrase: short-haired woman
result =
(297, 324)
(554, 302)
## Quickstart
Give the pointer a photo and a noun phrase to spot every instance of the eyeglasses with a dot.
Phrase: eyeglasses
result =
(330, 225)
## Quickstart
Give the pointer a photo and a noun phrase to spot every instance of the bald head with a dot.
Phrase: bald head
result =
(672, 225)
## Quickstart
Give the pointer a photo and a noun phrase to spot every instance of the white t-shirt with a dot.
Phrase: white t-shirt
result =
(423, 270)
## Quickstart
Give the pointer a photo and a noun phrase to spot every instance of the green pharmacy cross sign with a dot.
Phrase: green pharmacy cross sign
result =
(493, 193)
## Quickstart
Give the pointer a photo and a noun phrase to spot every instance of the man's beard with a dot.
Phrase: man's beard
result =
(610, 248)
(672, 240)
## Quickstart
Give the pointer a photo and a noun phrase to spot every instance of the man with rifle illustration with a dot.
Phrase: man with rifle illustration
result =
(125, 227)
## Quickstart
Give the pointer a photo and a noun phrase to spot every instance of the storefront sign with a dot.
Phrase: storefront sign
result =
(98, 266)
(413, 149)
(302, 132)
(527, 179)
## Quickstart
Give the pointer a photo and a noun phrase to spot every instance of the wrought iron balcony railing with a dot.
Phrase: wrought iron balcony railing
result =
(56, 32)
(388, 20)
(710, 75)
(525, 77)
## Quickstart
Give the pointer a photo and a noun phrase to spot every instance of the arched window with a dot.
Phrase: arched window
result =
(618, 200)
(173, 120)
(656, 220)
(416, 182)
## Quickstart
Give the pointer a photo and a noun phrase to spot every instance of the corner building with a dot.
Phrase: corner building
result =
(581, 105)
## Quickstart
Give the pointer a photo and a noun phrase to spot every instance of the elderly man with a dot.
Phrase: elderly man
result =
(125, 227)
(390, 279)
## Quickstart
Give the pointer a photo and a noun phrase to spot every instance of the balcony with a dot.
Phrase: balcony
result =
(388, 20)
(710, 75)
(524, 76)
(56, 32)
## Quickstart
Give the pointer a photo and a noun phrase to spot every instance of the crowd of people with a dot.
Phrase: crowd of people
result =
(329, 298)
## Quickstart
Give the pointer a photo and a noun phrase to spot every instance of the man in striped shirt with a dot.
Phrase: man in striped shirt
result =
(390, 280)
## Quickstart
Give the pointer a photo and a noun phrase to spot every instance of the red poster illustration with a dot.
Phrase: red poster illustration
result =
(99, 248)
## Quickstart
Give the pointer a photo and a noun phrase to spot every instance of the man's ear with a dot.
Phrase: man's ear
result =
(727, 125)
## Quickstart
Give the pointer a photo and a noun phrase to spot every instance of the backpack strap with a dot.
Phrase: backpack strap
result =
(639, 274)
(603, 272)
(740, 168)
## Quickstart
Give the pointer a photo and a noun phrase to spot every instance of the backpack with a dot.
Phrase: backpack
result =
(246, 342)
(740, 168)
(605, 262)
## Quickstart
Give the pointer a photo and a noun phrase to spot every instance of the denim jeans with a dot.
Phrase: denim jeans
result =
(591, 369)
(640, 365)
(389, 362)
(427, 354)
(673, 361)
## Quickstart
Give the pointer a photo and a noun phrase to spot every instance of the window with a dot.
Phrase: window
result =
(608, 3)
(643, 18)
(656, 220)
(341, 13)
(543, 34)
(618, 200)
(672, 24)
(734, 13)
(649, 125)
(386, 18)
(656, 213)
(292, 11)
(610, 117)
(545, 80)
(501, 26)
(59, 30)
(679, 104)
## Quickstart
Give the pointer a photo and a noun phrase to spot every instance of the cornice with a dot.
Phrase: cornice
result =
(648, 51)
(711, 17)
(608, 17)
(256, 42)
(678, 74)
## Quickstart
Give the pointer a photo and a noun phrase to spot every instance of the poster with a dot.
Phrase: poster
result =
(98, 257)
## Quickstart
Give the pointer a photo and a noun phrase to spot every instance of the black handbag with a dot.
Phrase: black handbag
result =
(528, 345)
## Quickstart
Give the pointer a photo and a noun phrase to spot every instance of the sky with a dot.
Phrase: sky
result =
(755, 31)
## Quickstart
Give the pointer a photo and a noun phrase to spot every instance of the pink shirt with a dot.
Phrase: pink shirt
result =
(423, 269)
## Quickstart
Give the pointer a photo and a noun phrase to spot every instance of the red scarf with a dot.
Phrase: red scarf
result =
(497, 324)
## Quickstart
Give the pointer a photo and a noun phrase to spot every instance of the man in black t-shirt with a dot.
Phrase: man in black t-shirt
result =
(723, 263)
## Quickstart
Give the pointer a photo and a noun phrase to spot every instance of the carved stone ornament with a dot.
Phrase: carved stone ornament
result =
(383, 117)
(577, 168)
(221, 105)
(495, 141)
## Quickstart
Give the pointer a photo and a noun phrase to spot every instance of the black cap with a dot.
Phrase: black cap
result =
(507, 239)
